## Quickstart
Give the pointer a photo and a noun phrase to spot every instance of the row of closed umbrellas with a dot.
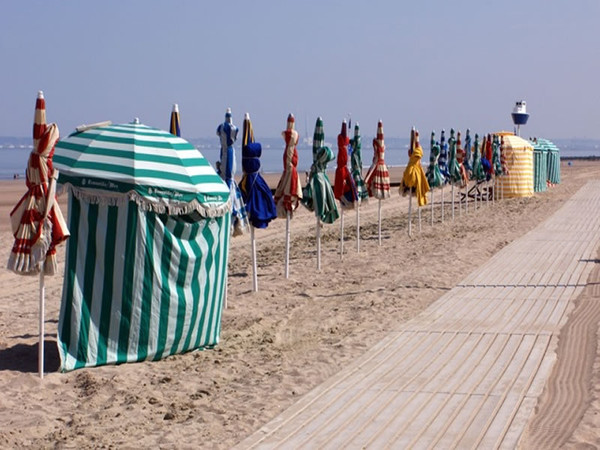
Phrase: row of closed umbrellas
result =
(172, 176)
(255, 207)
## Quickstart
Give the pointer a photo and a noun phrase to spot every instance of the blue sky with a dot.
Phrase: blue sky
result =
(429, 63)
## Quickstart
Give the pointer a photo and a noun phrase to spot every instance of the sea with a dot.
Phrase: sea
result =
(14, 152)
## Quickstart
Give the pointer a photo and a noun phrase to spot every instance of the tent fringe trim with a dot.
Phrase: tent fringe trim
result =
(159, 206)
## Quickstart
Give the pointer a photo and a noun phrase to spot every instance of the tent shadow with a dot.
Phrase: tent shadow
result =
(24, 357)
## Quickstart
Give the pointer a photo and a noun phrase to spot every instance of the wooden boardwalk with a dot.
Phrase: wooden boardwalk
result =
(467, 372)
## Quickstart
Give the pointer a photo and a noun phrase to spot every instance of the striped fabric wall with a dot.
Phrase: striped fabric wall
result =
(139, 285)
(519, 159)
(540, 170)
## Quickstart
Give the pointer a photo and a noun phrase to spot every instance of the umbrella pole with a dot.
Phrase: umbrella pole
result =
(442, 203)
(253, 248)
(379, 221)
(487, 194)
(287, 245)
(41, 327)
(431, 206)
(318, 243)
(409, 214)
(341, 231)
(467, 197)
(357, 227)
(452, 201)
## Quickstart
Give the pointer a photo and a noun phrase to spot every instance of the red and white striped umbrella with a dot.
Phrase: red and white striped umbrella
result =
(37, 222)
(378, 177)
(289, 189)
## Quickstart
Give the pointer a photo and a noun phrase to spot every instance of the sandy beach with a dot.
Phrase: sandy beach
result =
(282, 341)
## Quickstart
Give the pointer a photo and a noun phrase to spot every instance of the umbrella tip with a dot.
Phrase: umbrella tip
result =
(247, 116)
(40, 94)
(136, 121)
(175, 108)
(228, 112)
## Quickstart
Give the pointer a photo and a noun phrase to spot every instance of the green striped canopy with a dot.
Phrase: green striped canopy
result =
(159, 171)
(146, 265)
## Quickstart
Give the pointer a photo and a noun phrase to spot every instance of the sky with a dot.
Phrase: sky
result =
(431, 64)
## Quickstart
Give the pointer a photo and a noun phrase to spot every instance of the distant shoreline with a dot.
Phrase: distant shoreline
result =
(584, 158)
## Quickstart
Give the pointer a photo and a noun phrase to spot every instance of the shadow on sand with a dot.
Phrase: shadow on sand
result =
(24, 357)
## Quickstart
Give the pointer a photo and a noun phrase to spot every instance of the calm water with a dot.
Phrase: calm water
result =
(14, 152)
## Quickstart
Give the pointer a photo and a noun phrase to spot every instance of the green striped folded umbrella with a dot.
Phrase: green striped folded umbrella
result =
(356, 164)
(434, 175)
(478, 170)
(318, 194)
(146, 268)
(453, 166)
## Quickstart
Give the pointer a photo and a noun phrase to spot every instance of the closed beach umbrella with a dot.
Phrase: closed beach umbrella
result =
(443, 159)
(496, 162)
(343, 187)
(461, 157)
(478, 170)
(378, 177)
(146, 266)
(487, 156)
(503, 160)
(318, 194)
(453, 166)
(434, 175)
(226, 168)
(174, 126)
(362, 193)
(289, 190)
(468, 156)
(37, 222)
(414, 179)
(255, 190)
(443, 163)
(356, 164)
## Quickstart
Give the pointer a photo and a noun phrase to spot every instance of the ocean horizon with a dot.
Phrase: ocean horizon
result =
(14, 152)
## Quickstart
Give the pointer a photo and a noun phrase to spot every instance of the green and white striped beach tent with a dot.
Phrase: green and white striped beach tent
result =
(553, 156)
(146, 265)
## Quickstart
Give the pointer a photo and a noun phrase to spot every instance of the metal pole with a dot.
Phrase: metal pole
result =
(357, 227)
(287, 245)
(41, 324)
(254, 270)
(379, 221)
(341, 232)
(409, 214)
(318, 243)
